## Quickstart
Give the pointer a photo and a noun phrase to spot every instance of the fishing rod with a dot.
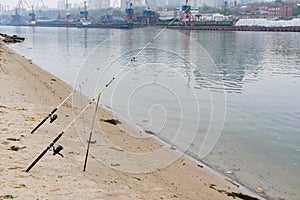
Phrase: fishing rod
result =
(52, 114)
(51, 145)
(106, 86)
(100, 92)
(90, 137)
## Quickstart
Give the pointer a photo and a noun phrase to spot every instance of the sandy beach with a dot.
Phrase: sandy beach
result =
(28, 94)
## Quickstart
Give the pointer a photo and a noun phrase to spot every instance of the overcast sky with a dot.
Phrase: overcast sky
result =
(50, 3)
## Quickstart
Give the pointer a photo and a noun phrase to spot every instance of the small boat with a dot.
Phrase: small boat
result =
(85, 21)
(85, 18)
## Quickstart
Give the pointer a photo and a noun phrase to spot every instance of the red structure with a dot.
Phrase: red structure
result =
(186, 15)
(277, 10)
(238, 28)
(130, 17)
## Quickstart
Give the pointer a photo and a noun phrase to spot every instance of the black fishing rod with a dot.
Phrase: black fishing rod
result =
(51, 145)
(59, 148)
(52, 114)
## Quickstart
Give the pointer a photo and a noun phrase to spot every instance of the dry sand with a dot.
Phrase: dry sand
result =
(28, 94)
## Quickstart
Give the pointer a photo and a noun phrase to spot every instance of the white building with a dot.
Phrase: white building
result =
(98, 4)
(61, 5)
(139, 3)
(172, 3)
(193, 3)
(124, 4)
(94, 4)
(104, 4)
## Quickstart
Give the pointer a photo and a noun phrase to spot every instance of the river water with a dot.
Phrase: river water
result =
(230, 99)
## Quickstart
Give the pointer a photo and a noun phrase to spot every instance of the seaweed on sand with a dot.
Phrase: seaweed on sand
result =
(111, 121)
(233, 194)
(8, 196)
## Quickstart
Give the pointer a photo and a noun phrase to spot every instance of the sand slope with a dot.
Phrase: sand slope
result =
(27, 95)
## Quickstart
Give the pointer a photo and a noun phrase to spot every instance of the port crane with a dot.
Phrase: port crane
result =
(17, 18)
(130, 16)
(108, 17)
(85, 19)
(148, 15)
(186, 13)
(68, 14)
(32, 15)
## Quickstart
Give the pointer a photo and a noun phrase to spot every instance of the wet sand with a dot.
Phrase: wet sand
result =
(29, 93)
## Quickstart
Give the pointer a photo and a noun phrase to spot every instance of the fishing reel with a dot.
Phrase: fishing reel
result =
(53, 118)
(57, 150)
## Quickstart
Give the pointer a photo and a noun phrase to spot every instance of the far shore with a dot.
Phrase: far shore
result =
(28, 94)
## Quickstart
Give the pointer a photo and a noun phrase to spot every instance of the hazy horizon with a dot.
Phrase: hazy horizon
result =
(28, 3)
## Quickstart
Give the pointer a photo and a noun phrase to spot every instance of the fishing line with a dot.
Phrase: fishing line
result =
(58, 137)
(52, 114)
(81, 105)
(100, 92)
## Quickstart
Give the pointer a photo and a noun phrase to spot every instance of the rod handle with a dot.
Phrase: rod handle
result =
(37, 159)
(44, 120)
(44, 152)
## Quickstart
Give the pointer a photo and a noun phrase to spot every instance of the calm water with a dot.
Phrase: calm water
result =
(230, 99)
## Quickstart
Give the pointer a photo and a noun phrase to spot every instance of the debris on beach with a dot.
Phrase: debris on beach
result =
(11, 39)
(15, 148)
(260, 190)
(233, 194)
(149, 132)
(233, 183)
(8, 196)
(20, 186)
(137, 178)
(115, 164)
(14, 168)
(201, 166)
(13, 139)
(30, 119)
(111, 121)
(173, 148)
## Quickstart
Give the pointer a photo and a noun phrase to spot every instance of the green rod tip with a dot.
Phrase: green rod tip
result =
(99, 93)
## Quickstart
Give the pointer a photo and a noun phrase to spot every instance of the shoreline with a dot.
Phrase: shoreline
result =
(211, 27)
(199, 163)
(184, 172)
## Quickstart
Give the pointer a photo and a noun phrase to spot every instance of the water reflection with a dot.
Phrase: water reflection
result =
(85, 37)
(264, 68)
(259, 72)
